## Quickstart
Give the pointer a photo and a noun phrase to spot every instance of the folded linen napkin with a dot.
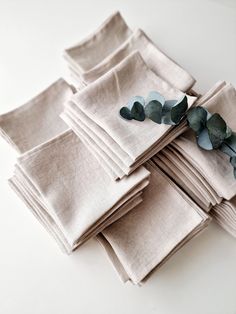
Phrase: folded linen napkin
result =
(112, 43)
(206, 176)
(98, 45)
(94, 113)
(148, 235)
(225, 215)
(156, 60)
(38, 120)
(70, 193)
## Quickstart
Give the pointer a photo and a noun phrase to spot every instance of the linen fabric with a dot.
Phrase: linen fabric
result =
(93, 114)
(70, 193)
(148, 235)
(38, 120)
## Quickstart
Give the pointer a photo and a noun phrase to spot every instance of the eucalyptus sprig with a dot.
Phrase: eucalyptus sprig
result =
(156, 108)
(212, 132)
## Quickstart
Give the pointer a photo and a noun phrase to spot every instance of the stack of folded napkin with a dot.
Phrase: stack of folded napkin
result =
(69, 192)
(89, 175)
(151, 233)
(38, 120)
(112, 42)
(205, 175)
(57, 176)
(93, 114)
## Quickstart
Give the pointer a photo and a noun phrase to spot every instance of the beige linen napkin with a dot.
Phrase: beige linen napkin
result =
(148, 235)
(214, 165)
(156, 60)
(110, 44)
(95, 111)
(97, 46)
(225, 215)
(209, 172)
(70, 193)
(38, 120)
(206, 176)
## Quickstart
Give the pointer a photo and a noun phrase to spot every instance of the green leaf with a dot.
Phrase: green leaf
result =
(166, 112)
(137, 111)
(225, 148)
(134, 99)
(125, 113)
(217, 130)
(231, 141)
(153, 111)
(173, 110)
(196, 118)
(179, 109)
(136, 107)
(204, 141)
(153, 95)
(235, 173)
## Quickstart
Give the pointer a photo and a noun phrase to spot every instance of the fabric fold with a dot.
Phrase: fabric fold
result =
(70, 193)
(112, 42)
(205, 175)
(38, 120)
(94, 113)
(147, 236)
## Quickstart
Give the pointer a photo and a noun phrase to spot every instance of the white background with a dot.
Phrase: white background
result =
(35, 277)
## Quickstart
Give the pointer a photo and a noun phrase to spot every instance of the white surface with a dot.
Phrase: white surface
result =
(35, 277)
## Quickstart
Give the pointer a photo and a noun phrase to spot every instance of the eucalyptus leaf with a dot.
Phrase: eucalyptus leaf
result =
(204, 141)
(166, 112)
(125, 113)
(134, 99)
(235, 173)
(196, 118)
(153, 95)
(137, 111)
(231, 141)
(153, 111)
(179, 109)
(217, 130)
(225, 148)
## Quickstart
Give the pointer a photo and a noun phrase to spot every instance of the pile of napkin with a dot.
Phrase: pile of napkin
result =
(70, 193)
(142, 188)
(152, 232)
(38, 120)
(206, 175)
(112, 42)
(93, 114)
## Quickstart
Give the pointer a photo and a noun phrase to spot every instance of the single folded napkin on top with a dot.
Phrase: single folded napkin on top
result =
(69, 192)
(148, 235)
(93, 114)
(38, 120)
(205, 175)
(112, 43)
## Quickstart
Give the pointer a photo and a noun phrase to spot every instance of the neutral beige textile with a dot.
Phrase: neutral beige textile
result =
(38, 120)
(70, 193)
(112, 42)
(214, 166)
(98, 45)
(94, 111)
(156, 60)
(225, 215)
(148, 235)
(206, 176)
